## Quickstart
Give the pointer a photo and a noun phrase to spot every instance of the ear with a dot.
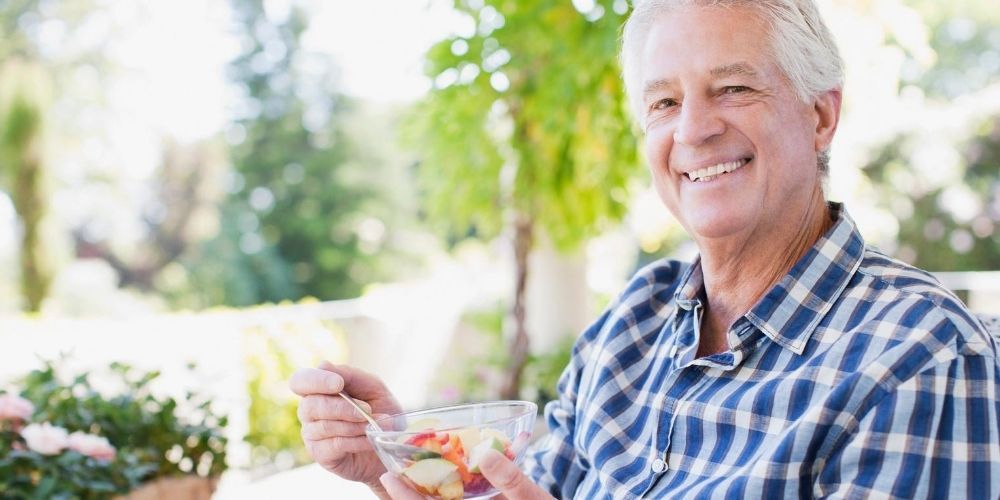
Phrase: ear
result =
(827, 108)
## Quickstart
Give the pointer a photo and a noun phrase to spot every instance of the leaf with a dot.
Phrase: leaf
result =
(44, 489)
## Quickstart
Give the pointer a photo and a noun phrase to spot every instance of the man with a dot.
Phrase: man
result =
(790, 359)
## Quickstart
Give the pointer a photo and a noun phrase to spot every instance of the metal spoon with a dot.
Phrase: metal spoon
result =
(368, 417)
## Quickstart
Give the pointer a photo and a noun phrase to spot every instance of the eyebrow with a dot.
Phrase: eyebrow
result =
(654, 86)
(726, 70)
(737, 68)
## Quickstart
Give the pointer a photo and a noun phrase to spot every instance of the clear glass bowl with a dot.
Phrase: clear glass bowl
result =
(437, 451)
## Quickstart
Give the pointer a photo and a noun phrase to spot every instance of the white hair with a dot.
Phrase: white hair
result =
(801, 44)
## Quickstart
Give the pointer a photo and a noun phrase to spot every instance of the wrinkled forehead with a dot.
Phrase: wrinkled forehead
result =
(713, 40)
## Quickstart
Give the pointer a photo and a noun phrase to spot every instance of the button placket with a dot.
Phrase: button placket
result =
(672, 403)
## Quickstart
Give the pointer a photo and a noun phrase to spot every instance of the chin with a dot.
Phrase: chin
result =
(714, 229)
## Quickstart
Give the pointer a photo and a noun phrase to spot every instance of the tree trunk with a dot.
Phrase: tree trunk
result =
(21, 127)
(29, 202)
(519, 345)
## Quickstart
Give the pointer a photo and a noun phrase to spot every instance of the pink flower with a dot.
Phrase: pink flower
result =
(45, 438)
(92, 446)
(14, 407)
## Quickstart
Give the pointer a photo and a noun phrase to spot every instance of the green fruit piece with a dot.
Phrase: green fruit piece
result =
(477, 454)
(431, 472)
(469, 437)
(424, 455)
(452, 490)
(493, 433)
(423, 424)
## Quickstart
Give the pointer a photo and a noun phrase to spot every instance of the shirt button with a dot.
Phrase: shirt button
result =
(659, 465)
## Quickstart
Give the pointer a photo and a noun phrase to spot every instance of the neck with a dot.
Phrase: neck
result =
(737, 274)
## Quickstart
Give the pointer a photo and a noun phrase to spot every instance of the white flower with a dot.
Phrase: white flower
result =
(92, 446)
(14, 407)
(45, 438)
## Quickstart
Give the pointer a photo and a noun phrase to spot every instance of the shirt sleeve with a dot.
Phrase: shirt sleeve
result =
(937, 435)
(553, 462)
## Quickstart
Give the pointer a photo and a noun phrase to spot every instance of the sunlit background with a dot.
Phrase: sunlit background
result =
(253, 186)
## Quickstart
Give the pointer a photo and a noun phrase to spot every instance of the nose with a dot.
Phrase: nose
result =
(698, 123)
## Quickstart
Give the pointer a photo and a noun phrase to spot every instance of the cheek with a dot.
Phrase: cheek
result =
(657, 146)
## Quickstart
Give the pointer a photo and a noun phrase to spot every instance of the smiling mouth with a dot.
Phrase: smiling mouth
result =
(711, 173)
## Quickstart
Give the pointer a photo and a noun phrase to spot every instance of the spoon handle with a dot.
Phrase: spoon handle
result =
(364, 413)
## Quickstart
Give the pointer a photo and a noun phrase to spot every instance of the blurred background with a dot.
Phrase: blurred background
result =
(441, 192)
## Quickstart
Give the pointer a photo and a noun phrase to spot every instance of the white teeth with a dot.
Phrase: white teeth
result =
(709, 173)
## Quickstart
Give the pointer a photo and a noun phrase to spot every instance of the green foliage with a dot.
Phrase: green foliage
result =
(930, 235)
(151, 437)
(527, 114)
(965, 36)
(937, 228)
(273, 354)
(476, 379)
(24, 98)
(306, 214)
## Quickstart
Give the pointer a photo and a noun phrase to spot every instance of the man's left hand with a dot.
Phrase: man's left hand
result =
(499, 471)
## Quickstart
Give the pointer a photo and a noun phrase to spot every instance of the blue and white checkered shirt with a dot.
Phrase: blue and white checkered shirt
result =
(855, 376)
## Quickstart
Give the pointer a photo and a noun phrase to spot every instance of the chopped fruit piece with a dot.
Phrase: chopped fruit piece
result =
(431, 473)
(519, 444)
(470, 437)
(452, 490)
(419, 439)
(424, 455)
(456, 455)
(477, 453)
(478, 485)
(488, 433)
(423, 424)
(432, 445)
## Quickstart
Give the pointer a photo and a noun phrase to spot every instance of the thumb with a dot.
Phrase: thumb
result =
(508, 478)
(397, 489)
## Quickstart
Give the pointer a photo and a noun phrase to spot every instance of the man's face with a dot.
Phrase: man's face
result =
(714, 98)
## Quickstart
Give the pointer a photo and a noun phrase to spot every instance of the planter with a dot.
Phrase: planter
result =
(175, 488)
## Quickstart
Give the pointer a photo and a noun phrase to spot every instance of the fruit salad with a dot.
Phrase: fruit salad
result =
(448, 465)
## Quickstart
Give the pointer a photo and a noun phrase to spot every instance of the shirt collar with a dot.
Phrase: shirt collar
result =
(790, 311)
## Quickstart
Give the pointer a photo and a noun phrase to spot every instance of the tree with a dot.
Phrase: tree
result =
(181, 211)
(947, 221)
(526, 128)
(24, 96)
(305, 215)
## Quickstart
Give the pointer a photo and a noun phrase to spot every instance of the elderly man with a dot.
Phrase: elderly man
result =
(788, 360)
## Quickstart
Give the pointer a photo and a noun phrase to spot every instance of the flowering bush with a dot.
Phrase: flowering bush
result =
(66, 440)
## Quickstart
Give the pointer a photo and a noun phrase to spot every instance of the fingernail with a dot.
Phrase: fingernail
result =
(491, 459)
(384, 478)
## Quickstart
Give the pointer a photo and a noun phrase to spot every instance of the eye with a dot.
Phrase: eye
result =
(735, 89)
(663, 104)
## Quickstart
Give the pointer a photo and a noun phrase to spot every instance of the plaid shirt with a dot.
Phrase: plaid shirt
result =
(854, 376)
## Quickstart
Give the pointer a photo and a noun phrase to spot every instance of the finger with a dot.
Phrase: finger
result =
(339, 446)
(321, 407)
(397, 489)
(508, 478)
(316, 381)
(323, 429)
(360, 384)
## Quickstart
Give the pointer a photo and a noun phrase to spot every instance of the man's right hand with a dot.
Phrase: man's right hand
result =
(333, 431)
